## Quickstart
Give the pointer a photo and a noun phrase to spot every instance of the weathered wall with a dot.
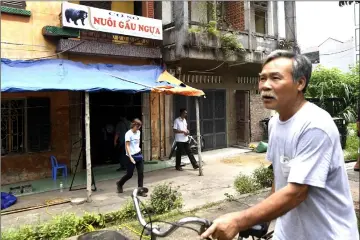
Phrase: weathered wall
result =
(21, 36)
(31, 166)
(257, 113)
(158, 126)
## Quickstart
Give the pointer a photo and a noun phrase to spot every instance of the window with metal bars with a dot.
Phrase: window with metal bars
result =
(14, 4)
(97, 4)
(25, 125)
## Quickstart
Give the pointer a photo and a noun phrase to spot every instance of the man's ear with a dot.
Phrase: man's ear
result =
(301, 83)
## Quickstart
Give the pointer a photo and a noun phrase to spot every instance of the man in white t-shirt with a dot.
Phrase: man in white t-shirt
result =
(311, 197)
(182, 140)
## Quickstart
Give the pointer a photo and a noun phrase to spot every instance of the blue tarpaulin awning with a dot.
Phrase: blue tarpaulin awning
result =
(62, 74)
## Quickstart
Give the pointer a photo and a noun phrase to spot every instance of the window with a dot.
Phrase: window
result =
(260, 21)
(97, 4)
(25, 125)
(138, 8)
(14, 4)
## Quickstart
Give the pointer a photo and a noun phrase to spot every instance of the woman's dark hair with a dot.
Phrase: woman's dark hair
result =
(136, 122)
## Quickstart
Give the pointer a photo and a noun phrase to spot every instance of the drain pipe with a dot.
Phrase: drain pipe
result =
(248, 4)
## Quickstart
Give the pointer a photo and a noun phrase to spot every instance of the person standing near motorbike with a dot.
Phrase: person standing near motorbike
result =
(182, 140)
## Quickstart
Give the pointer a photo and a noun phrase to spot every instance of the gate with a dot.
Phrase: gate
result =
(212, 117)
(242, 100)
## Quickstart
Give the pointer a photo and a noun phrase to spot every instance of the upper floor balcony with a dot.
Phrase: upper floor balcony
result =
(229, 30)
(108, 28)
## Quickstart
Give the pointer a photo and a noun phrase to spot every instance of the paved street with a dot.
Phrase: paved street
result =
(197, 191)
(221, 168)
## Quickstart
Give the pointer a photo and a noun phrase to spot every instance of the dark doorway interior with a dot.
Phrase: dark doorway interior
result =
(212, 117)
(138, 8)
(106, 108)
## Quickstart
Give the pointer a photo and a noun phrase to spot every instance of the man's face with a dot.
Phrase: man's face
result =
(184, 114)
(276, 84)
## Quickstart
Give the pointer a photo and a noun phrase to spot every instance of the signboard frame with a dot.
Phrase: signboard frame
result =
(101, 20)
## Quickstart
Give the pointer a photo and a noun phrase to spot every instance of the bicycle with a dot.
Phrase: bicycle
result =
(193, 145)
(259, 231)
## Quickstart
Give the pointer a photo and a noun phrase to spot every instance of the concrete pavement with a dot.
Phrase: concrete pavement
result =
(220, 169)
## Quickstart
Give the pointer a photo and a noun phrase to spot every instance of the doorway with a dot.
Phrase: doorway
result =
(242, 102)
(106, 108)
(212, 117)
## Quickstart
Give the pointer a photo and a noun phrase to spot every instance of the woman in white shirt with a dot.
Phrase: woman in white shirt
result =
(133, 152)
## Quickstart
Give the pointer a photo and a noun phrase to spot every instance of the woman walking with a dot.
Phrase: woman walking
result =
(134, 156)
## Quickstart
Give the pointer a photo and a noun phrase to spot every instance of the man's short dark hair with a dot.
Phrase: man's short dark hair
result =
(301, 66)
(182, 110)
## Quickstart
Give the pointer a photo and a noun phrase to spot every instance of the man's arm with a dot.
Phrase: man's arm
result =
(309, 167)
(117, 134)
(116, 137)
(176, 128)
(276, 205)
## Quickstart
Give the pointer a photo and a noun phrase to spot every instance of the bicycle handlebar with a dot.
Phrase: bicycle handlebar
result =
(188, 220)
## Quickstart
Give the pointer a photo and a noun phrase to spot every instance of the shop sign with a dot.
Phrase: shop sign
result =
(95, 19)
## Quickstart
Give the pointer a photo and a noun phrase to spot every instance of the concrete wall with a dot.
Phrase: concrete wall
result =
(338, 54)
(166, 12)
(21, 36)
(31, 166)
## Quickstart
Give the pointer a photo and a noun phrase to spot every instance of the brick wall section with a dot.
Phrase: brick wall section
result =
(148, 9)
(257, 113)
(235, 14)
(31, 166)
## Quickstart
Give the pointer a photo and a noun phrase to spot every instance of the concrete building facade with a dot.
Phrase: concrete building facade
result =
(223, 60)
(219, 47)
(33, 30)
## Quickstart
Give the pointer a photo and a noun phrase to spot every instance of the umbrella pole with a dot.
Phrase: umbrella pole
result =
(197, 99)
(87, 147)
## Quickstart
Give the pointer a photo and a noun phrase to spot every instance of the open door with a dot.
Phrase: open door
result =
(242, 100)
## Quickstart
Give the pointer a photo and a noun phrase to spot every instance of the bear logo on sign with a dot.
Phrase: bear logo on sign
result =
(75, 15)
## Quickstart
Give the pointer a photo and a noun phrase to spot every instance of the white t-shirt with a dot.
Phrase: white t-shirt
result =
(134, 139)
(306, 149)
(180, 124)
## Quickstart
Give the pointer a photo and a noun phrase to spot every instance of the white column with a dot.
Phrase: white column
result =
(87, 148)
(198, 135)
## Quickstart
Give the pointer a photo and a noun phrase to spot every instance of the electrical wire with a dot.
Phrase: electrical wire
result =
(327, 54)
(56, 54)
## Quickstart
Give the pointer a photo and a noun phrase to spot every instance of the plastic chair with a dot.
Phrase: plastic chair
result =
(55, 166)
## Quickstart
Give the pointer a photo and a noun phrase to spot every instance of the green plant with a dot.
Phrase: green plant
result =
(328, 83)
(263, 176)
(227, 38)
(230, 197)
(164, 198)
(245, 184)
(352, 143)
